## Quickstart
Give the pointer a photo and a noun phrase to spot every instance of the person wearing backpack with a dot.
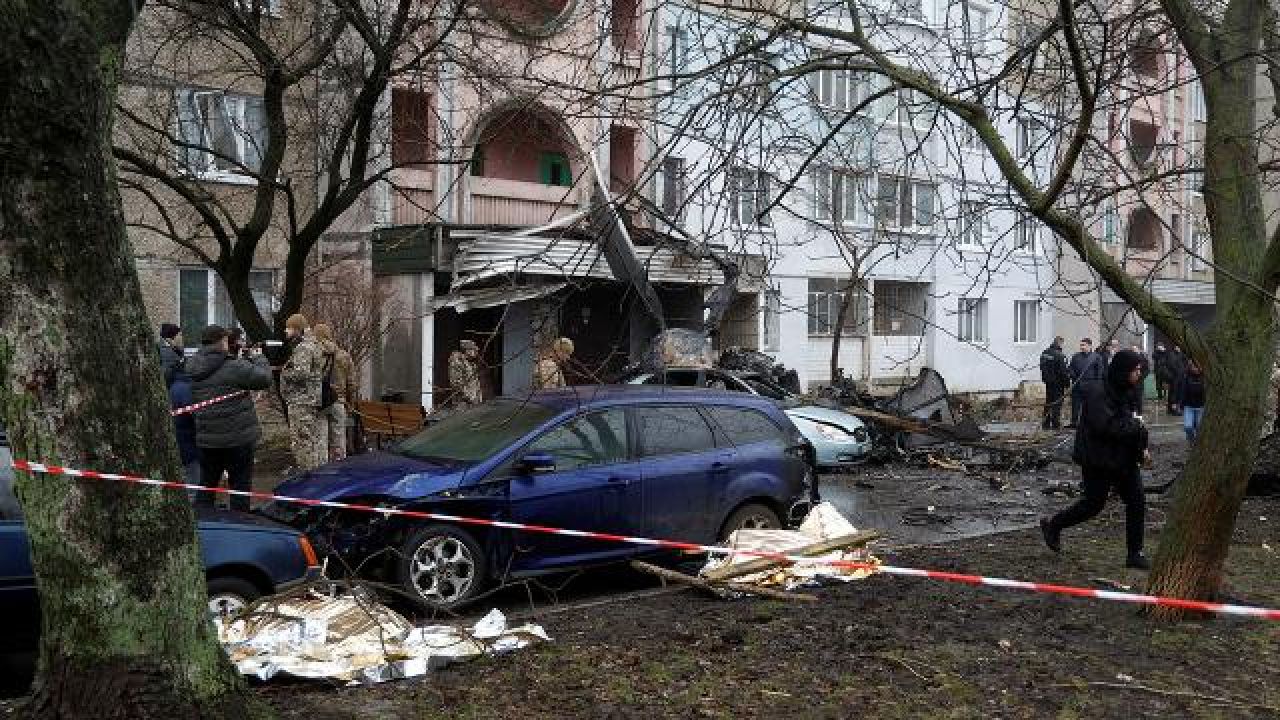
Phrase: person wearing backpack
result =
(337, 390)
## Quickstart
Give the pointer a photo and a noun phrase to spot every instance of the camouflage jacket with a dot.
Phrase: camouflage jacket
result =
(301, 375)
(464, 379)
(344, 372)
(547, 374)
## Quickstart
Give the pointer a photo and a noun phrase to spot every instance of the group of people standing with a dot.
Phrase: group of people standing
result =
(316, 386)
(466, 371)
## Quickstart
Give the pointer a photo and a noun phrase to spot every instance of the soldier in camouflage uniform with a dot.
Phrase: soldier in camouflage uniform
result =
(464, 375)
(343, 382)
(549, 372)
(300, 380)
(1272, 402)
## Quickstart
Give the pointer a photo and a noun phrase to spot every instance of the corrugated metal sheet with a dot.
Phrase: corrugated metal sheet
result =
(486, 256)
(1172, 290)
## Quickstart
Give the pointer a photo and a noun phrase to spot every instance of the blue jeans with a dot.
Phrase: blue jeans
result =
(1191, 421)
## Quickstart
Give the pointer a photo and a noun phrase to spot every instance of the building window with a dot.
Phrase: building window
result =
(826, 297)
(224, 135)
(1027, 236)
(203, 300)
(1027, 138)
(625, 19)
(749, 197)
(553, 169)
(977, 25)
(904, 203)
(673, 188)
(410, 128)
(1026, 320)
(972, 315)
(842, 89)
(973, 222)
(839, 196)
(913, 9)
(1111, 224)
(1199, 248)
(771, 323)
(968, 138)
(1198, 111)
(900, 308)
(677, 54)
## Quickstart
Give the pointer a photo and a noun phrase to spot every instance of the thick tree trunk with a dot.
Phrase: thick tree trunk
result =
(1240, 349)
(125, 630)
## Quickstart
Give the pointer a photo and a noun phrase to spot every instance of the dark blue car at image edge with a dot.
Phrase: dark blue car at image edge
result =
(245, 557)
(660, 462)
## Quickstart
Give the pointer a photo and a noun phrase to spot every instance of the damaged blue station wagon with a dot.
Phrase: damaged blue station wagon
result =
(659, 462)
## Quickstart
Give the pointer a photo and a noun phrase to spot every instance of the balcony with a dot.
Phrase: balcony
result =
(499, 201)
(413, 199)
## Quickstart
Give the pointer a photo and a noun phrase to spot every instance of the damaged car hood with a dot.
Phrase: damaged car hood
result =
(374, 474)
(817, 413)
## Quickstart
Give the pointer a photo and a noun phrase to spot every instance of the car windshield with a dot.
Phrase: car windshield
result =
(475, 434)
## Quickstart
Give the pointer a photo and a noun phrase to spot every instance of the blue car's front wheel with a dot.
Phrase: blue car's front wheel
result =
(442, 567)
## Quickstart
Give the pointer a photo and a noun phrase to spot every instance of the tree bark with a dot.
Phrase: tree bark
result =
(851, 293)
(125, 629)
(1240, 350)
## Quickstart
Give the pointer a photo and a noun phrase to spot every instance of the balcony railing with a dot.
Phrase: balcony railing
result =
(496, 201)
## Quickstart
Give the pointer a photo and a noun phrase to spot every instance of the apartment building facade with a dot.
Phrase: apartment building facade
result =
(951, 273)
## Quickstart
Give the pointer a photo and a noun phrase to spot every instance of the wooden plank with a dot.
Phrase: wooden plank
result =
(752, 567)
(697, 582)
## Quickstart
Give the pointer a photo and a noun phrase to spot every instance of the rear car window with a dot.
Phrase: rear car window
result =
(672, 430)
(599, 438)
(744, 426)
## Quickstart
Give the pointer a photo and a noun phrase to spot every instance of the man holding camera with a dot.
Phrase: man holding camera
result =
(227, 432)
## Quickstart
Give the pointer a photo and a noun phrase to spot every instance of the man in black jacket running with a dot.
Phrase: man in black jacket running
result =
(1110, 447)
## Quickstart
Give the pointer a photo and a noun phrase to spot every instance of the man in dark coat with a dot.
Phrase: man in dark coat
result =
(228, 431)
(1085, 367)
(1160, 358)
(1053, 373)
(1111, 446)
(170, 349)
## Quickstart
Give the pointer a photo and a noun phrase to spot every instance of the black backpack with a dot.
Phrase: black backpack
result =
(328, 396)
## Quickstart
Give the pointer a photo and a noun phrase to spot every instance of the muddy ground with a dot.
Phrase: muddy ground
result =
(883, 647)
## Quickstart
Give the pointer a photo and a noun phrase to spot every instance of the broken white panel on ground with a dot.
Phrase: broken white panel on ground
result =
(823, 523)
(354, 639)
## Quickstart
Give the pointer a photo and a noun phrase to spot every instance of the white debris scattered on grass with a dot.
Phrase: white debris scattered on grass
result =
(823, 523)
(352, 638)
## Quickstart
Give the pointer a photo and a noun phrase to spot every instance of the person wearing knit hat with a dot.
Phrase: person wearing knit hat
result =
(170, 349)
(301, 381)
(1110, 447)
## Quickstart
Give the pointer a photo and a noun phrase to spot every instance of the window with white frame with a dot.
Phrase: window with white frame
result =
(839, 196)
(1198, 111)
(826, 297)
(677, 54)
(223, 135)
(842, 89)
(203, 300)
(913, 108)
(828, 11)
(1195, 177)
(968, 139)
(1111, 224)
(905, 203)
(972, 320)
(913, 9)
(1199, 247)
(749, 197)
(973, 222)
(1026, 238)
(977, 25)
(1027, 137)
(1026, 321)
(771, 322)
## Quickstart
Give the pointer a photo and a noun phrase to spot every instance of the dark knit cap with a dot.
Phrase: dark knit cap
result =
(169, 331)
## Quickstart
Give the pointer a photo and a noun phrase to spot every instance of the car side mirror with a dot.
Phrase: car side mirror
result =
(536, 462)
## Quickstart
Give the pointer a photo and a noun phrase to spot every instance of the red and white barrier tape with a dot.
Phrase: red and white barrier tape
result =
(1049, 588)
(206, 403)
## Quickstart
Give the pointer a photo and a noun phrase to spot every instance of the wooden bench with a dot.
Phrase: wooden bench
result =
(384, 420)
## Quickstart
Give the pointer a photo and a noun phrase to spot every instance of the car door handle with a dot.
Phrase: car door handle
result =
(616, 480)
(719, 467)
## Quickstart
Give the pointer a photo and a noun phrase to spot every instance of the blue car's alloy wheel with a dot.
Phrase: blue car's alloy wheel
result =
(443, 566)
